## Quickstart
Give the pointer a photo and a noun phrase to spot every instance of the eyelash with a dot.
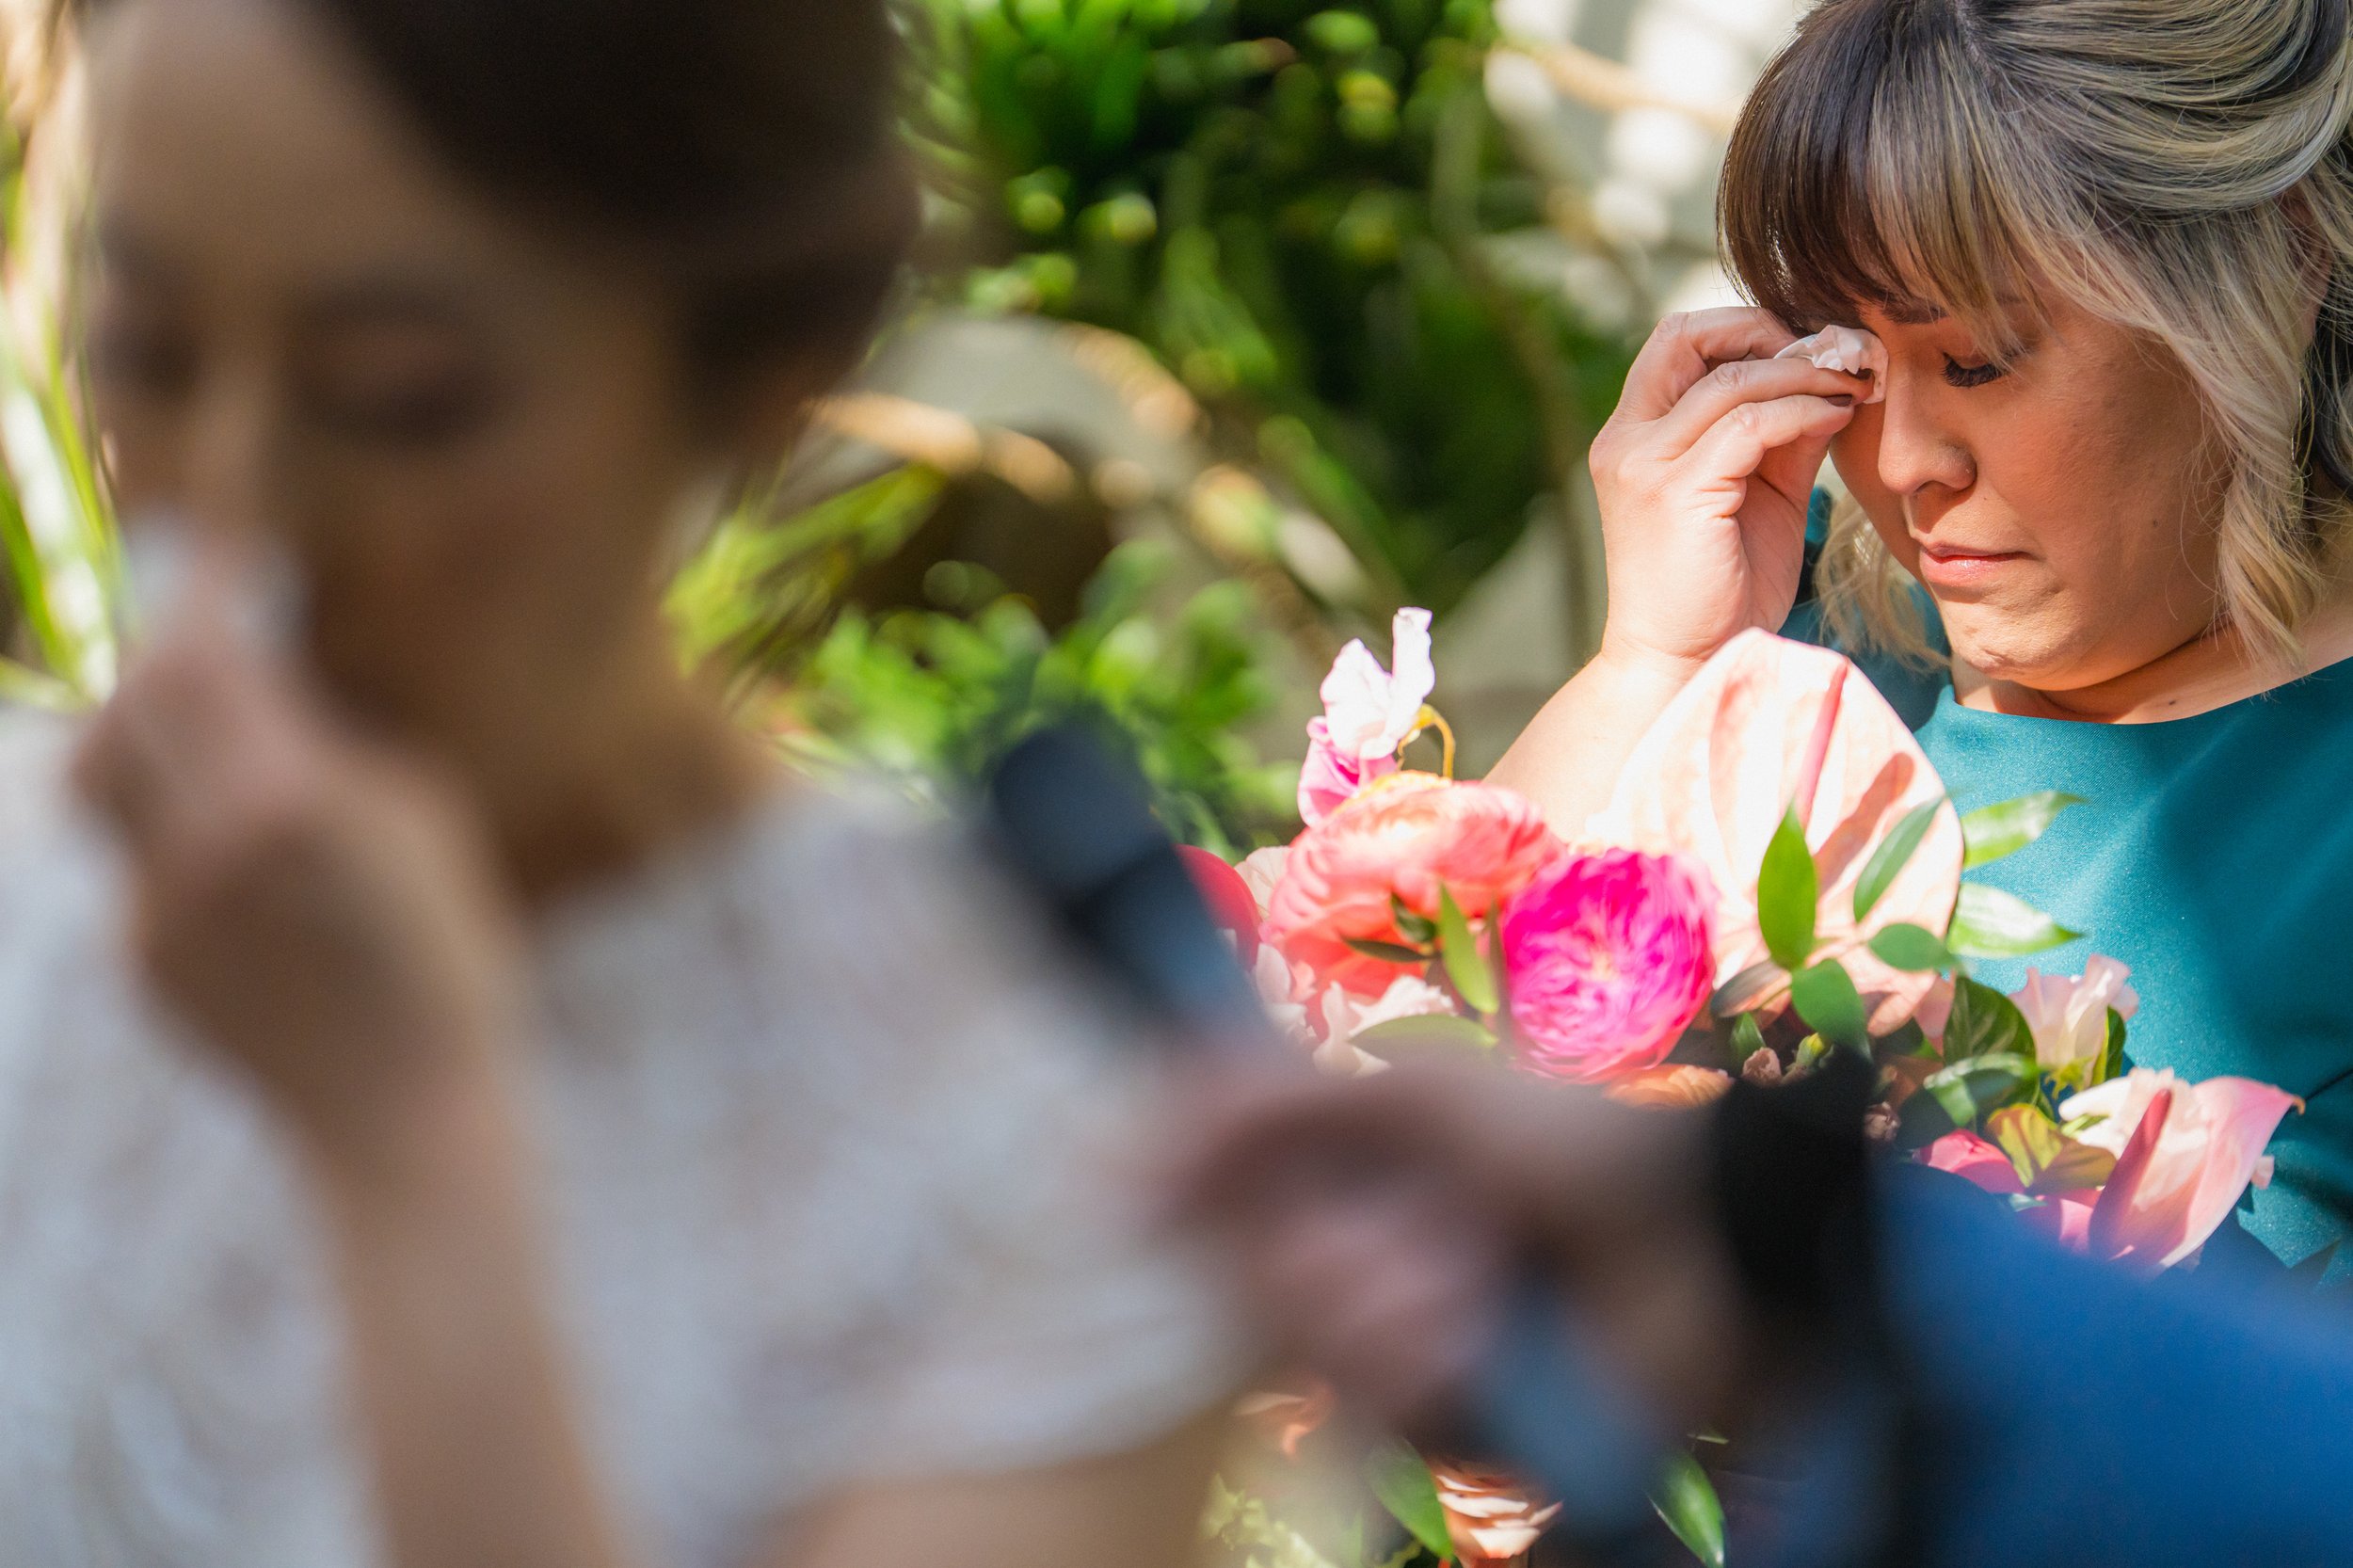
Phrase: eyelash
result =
(1966, 376)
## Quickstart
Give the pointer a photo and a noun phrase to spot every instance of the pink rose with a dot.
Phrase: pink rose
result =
(2183, 1154)
(1609, 960)
(1404, 838)
(1368, 715)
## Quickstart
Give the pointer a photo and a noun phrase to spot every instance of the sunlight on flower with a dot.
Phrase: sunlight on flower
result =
(1766, 723)
(1345, 1019)
(1369, 714)
(1608, 960)
(1677, 1087)
(1404, 838)
(2183, 1154)
(2069, 1018)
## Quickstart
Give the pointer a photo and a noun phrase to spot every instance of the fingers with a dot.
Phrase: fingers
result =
(1738, 383)
(1739, 443)
(1686, 347)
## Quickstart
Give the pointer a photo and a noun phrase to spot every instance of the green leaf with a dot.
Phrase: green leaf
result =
(1400, 1478)
(1789, 886)
(1994, 832)
(1473, 976)
(2048, 1162)
(1968, 1090)
(1415, 928)
(1826, 998)
(1913, 949)
(1985, 1022)
(1991, 923)
(1686, 1498)
(2111, 1061)
(1893, 854)
(1434, 1032)
(1748, 1038)
(1389, 952)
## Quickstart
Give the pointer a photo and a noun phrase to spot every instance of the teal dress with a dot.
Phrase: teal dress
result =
(2215, 859)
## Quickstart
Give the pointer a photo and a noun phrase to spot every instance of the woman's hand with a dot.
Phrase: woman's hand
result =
(321, 911)
(1703, 474)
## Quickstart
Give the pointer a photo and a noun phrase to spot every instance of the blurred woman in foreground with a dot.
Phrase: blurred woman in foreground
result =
(521, 1126)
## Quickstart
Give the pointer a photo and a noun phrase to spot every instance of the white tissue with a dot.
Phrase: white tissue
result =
(1845, 348)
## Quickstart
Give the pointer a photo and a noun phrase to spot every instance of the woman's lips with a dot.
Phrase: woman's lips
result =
(1950, 565)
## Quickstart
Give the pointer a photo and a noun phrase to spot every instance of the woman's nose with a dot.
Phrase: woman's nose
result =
(229, 480)
(1918, 448)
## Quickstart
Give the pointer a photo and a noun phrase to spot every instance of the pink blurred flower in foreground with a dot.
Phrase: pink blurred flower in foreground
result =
(1228, 899)
(2069, 1018)
(1404, 838)
(2183, 1154)
(1494, 1520)
(1288, 1415)
(1368, 714)
(1608, 960)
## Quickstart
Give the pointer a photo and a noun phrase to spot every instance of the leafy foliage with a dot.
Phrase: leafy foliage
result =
(1292, 206)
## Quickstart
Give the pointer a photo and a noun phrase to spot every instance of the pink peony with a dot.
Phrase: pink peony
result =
(1404, 838)
(2183, 1154)
(1608, 960)
(1367, 714)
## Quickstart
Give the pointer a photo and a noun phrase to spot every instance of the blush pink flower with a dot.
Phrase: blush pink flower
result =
(1404, 838)
(2069, 1018)
(1367, 714)
(2183, 1154)
(1608, 960)
(1676, 1087)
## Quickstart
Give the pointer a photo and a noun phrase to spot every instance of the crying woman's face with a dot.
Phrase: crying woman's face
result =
(2062, 509)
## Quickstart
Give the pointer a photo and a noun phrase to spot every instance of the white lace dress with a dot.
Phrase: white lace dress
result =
(835, 1162)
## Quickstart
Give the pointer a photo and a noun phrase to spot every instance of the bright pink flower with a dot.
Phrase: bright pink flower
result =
(1404, 838)
(1977, 1160)
(1368, 714)
(1609, 960)
(1230, 902)
(2183, 1154)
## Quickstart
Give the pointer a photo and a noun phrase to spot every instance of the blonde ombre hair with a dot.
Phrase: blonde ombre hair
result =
(2178, 167)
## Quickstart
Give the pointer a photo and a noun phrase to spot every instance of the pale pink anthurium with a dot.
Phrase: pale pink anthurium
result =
(1766, 725)
(1369, 714)
(2183, 1154)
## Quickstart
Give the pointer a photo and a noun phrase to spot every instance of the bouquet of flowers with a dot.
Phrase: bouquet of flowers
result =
(1778, 875)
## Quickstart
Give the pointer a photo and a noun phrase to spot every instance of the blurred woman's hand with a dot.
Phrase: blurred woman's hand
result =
(1380, 1225)
(1703, 474)
(320, 911)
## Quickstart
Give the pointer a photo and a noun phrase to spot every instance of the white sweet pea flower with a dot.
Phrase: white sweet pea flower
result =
(1345, 1019)
(1261, 870)
(2069, 1018)
(1368, 711)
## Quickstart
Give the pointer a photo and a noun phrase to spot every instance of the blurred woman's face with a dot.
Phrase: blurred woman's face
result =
(2062, 512)
(467, 436)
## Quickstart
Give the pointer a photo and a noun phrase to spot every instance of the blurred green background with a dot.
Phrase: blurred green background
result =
(1236, 325)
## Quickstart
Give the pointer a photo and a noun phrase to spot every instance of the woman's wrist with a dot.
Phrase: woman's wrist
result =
(454, 1127)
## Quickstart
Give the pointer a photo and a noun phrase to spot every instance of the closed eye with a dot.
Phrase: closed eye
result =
(1964, 376)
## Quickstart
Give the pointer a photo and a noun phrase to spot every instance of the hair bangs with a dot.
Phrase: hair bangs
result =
(1862, 173)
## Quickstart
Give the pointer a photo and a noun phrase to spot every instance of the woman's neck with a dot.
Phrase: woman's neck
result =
(590, 789)
(2211, 670)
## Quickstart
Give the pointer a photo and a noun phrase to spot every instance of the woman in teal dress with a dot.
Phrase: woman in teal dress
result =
(2099, 529)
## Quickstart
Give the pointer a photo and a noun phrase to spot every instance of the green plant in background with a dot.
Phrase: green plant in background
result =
(929, 696)
(1293, 206)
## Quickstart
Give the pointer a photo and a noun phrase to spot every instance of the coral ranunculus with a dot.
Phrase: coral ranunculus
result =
(1406, 838)
(1608, 959)
(1495, 1521)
